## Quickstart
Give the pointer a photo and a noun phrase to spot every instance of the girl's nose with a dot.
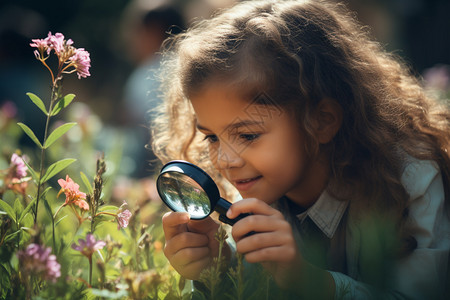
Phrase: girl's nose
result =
(227, 157)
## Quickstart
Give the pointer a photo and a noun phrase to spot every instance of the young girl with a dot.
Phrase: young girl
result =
(337, 152)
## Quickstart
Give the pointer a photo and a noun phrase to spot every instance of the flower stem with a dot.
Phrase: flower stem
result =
(90, 270)
(54, 96)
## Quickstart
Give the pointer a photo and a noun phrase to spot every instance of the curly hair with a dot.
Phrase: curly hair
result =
(298, 53)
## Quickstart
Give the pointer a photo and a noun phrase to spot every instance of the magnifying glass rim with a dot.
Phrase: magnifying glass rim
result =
(199, 176)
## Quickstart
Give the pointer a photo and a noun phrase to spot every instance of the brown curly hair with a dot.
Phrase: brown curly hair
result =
(299, 52)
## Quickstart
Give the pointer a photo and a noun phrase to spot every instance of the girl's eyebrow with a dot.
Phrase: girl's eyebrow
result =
(233, 126)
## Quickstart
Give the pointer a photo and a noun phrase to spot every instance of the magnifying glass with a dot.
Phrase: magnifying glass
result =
(184, 187)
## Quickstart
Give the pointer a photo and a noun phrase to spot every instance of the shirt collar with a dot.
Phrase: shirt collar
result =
(326, 213)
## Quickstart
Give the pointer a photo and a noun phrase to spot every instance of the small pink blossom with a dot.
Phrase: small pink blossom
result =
(123, 218)
(55, 42)
(89, 246)
(40, 44)
(82, 62)
(72, 192)
(38, 261)
(19, 166)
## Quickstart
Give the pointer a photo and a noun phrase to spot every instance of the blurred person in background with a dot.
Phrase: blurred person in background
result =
(146, 24)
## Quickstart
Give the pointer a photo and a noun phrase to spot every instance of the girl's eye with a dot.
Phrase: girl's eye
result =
(211, 138)
(249, 136)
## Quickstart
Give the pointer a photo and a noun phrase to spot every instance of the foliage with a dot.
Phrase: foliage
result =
(87, 246)
(74, 237)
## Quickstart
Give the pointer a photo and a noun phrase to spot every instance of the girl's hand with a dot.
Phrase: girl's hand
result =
(190, 245)
(273, 245)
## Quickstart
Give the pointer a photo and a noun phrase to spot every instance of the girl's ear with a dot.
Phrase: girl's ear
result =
(328, 117)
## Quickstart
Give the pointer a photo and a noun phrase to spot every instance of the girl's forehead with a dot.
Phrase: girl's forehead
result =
(217, 102)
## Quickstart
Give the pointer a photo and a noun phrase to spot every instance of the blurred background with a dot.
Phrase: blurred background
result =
(123, 38)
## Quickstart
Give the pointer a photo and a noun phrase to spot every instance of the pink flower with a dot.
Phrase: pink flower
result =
(72, 192)
(38, 261)
(88, 247)
(19, 166)
(55, 42)
(67, 54)
(123, 218)
(82, 62)
(41, 45)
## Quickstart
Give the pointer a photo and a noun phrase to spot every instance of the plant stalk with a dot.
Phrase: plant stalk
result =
(54, 96)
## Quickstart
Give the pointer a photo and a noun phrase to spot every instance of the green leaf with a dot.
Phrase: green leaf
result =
(108, 208)
(57, 133)
(36, 100)
(30, 133)
(48, 208)
(56, 168)
(33, 173)
(62, 218)
(27, 209)
(18, 207)
(5, 281)
(8, 209)
(63, 103)
(12, 235)
(86, 183)
(46, 191)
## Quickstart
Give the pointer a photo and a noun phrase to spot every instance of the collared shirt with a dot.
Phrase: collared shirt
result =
(333, 236)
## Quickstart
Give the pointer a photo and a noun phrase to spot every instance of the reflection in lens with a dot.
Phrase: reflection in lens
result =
(183, 194)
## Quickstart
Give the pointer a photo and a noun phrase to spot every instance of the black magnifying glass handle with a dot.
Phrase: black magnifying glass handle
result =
(222, 207)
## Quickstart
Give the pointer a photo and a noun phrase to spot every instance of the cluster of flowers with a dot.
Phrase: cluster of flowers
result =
(74, 197)
(16, 178)
(71, 59)
(38, 261)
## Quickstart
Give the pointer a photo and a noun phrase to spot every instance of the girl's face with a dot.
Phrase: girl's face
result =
(257, 147)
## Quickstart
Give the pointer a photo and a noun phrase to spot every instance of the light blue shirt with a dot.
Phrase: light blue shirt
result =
(420, 275)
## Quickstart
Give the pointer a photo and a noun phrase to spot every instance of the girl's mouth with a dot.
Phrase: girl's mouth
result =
(246, 184)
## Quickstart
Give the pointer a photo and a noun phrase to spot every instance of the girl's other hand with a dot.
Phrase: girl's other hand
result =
(190, 245)
(273, 244)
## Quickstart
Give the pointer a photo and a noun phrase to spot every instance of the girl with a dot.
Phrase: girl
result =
(337, 152)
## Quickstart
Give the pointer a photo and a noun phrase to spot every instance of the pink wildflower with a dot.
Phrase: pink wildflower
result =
(38, 261)
(41, 45)
(55, 42)
(82, 62)
(19, 166)
(67, 54)
(72, 192)
(89, 246)
(123, 218)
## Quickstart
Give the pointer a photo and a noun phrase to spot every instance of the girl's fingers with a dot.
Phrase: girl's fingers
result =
(187, 256)
(182, 241)
(261, 240)
(272, 254)
(193, 269)
(174, 223)
(251, 205)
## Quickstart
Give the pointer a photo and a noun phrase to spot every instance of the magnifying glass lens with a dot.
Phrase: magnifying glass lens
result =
(183, 194)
